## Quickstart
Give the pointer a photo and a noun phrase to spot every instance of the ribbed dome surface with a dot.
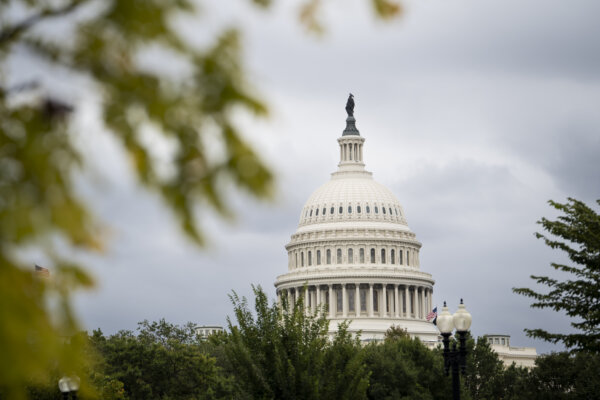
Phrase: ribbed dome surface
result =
(352, 196)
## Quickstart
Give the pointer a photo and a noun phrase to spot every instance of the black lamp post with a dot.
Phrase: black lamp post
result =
(455, 358)
(68, 385)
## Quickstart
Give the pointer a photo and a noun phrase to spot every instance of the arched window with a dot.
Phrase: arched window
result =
(383, 209)
(328, 256)
(358, 209)
(317, 212)
(372, 256)
(368, 210)
(339, 256)
(295, 259)
(390, 210)
(396, 211)
(309, 258)
(375, 300)
(324, 210)
(400, 252)
(349, 209)
(302, 258)
(341, 209)
(311, 212)
(361, 256)
(350, 256)
(318, 257)
(331, 211)
(392, 256)
(383, 256)
(407, 257)
(376, 210)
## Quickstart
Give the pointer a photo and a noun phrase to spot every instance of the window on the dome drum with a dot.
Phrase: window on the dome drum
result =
(363, 299)
(350, 256)
(383, 256)
(317, 212)
(331, 211)
(349, 209)
(302, 259)
(358, 209)
(372, 256)
(400, 256)
(361, 255)
(328, 256)
(339, 300)
(324, 210)
(396, 211)
(311, 212)
(390, 211)
(407, 257)
(368, 210)
(392, 256)
(341, 209)
(309, 258)
(375, 299)
(339, 256)
(318, 257)
(351, 302)
(376, 210)
(383, 209)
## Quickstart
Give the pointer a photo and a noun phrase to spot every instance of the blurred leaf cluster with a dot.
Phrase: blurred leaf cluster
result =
(39, 205)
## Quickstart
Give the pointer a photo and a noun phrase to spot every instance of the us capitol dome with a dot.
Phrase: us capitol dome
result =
(354, 253)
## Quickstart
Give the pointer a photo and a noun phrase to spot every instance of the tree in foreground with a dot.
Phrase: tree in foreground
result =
(284, 352)
(404, 368)
(577, 233)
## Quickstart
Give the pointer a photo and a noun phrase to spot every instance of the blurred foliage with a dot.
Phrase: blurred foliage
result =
(39, 206)
(577, 233)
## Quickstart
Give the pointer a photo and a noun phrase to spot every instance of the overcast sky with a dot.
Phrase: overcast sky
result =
(475, 113)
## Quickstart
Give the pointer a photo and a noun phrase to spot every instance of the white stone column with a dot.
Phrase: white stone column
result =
(409, 305)
(306, 302)
(357, 299)
(318, 302)
(383, 309)
(406, 302)
(370, 300)
(344, 301)
(396, 302)
(331, 315)
(423, 308)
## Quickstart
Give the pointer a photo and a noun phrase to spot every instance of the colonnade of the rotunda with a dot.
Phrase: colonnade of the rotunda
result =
(363, 299)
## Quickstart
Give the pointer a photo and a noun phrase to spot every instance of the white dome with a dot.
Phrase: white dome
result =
(354, 254)
(352, 197)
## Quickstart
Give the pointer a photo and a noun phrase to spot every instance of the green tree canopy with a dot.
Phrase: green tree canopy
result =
(577, 233)
(284, 352)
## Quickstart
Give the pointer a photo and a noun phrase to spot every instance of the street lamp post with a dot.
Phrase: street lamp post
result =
(68, 385)
(455, 358)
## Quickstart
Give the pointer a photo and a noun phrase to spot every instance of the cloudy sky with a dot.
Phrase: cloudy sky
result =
(475, 113)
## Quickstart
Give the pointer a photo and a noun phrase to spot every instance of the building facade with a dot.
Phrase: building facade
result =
(521, 356)
(354, 253)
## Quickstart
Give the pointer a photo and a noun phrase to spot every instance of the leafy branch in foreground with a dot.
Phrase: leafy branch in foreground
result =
(577, 233)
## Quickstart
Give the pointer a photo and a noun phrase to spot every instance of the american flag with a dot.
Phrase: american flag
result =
(432, 315)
